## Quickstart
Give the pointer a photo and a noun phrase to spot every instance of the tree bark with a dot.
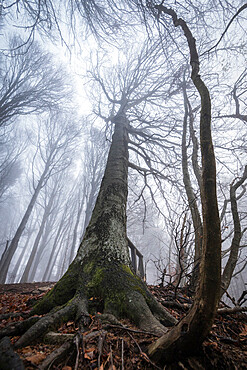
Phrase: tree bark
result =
(192, 201)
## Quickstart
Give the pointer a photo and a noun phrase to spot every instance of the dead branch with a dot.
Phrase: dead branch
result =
(222, 311)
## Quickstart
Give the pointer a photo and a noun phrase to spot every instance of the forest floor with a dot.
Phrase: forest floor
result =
(123, 347)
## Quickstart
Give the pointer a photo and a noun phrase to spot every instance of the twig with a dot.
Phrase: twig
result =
(111, 358)
(228, 296)
(227, 27)
(100, 346)
(143, 355)
(56, 355)
(241, 298)
(122, 354)
(78, 340)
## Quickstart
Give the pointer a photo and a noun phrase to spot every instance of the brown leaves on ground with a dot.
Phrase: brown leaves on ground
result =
(115, 347)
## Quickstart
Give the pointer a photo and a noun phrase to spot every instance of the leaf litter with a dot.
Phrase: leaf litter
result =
(123, 347)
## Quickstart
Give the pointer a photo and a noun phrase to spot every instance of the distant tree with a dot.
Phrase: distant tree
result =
(10, 162)
(237, 231)
(33, 259)
(53, 148)
(30, 82)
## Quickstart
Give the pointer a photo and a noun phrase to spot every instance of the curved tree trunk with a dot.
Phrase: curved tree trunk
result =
(192, 201)
(234, 250)
(188, 335)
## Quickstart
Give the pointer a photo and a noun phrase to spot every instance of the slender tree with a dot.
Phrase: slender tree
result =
(192, 330)
(55, 158)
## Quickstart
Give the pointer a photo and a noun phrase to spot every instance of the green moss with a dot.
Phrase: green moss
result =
(88, 267)
(96, 279)
(63, 291)
(127, 269)
(116, 304)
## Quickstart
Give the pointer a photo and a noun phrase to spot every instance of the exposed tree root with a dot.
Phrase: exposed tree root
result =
(57, 355)
(95, 290)
(141, 314)
(19, 327)
(47, 322)
(12, 315)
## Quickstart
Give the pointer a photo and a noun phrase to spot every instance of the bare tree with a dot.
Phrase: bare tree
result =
(55, 156)
(235, 244)
(10, 163)
(30, 83)
(29, 273)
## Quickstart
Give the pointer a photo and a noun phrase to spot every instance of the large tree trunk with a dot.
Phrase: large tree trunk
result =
(102, 267)
(187, 336)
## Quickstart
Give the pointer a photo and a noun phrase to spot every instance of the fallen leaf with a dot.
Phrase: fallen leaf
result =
(26, 350)
(89, 349)
(88, 355)
(36, 359)
(112, 367)
(244, 332)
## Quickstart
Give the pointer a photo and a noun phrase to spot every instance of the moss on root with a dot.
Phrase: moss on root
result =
(61, 293)
(115, 290)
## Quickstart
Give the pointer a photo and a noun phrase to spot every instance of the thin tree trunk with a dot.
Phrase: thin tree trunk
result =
(21, 256)
(46, 275)
(196, 218)
(25, 276)
(234, 250)
(75, 231)
(187, 336)
(40, 252)
(5, 262)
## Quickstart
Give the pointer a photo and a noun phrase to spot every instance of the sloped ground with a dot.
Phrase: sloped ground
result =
(107, 346)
